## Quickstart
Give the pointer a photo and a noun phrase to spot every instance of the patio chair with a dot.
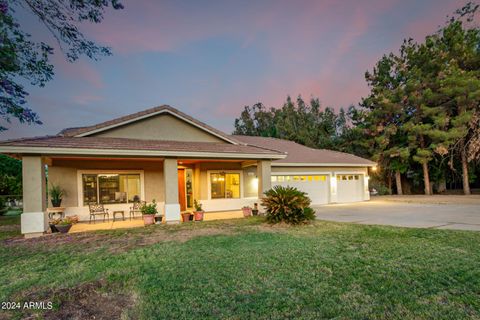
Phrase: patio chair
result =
(136, 208)
(97, 210)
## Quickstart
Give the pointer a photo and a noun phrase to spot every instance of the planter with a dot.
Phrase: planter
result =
(255, 212)
(247, 211)
(198, 215)
(186, 217)
(63, 228)
(56, 203)
(148, 219)
(53, 228)
(158, 219)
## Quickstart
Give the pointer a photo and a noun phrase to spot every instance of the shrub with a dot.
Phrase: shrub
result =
(56, 193)
(287, 204)
(197, 205)
(149, 208)
(3, 206)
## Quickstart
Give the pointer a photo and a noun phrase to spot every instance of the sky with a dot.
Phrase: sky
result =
(211, 58)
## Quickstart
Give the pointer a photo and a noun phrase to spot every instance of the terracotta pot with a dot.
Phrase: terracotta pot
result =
(63, 228)
(186, 217)
(148, 219)
(247, 212)
(198, 215)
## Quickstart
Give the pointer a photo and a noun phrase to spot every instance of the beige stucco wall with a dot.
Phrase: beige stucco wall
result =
(64, 173)
(66, 178)
(163, 127)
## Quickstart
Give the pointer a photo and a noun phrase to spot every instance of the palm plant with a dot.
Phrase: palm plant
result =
(56, 195)
(287, 204)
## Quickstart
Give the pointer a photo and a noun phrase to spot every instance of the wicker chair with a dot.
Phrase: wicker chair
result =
(136, 208)
(97, 210)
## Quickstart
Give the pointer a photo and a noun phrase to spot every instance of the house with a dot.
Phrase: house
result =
(166, 155)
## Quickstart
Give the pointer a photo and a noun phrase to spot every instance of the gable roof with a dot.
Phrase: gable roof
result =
(164, 109)
(300, 155)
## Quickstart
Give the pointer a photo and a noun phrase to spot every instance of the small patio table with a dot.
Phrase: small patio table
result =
(122, 212)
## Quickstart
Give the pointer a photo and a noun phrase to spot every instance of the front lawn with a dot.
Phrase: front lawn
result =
(243, 268)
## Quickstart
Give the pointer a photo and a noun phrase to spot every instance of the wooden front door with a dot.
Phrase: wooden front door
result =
(181, 190)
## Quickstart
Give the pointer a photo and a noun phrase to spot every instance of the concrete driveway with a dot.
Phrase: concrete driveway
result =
(439, 212)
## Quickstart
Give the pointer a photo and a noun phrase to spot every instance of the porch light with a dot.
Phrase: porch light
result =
(374, 168)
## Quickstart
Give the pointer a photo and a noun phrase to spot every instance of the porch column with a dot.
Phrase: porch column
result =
(34, 220)
(264, 170)
(170, 182)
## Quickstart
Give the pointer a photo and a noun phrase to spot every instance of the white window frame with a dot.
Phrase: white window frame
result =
(80, 174)
(209, 172)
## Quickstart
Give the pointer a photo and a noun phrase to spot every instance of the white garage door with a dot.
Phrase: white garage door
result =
(316, 186)
(349, 187)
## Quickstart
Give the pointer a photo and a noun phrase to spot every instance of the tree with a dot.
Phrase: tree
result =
(457, 45)
(387, 115)
(10, 176)
(22, 59)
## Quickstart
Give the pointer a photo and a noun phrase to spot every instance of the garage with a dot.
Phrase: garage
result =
(316, 186)
(349, 188)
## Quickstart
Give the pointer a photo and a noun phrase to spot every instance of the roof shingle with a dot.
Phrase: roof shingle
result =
(136, 144)
(297, 153)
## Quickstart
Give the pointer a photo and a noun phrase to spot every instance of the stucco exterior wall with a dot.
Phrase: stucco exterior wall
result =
(161, 127)
(64, 174)
(66, 178)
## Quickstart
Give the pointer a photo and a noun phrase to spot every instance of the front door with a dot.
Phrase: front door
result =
(181, 190)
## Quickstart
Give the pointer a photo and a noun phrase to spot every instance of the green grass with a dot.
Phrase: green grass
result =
(252, 270)
(12, 220)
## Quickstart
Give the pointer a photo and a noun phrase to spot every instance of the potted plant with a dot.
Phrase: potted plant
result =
(247, 211)
(64, 225)
(186, 216)
(255, 209)
(198, 210)
(148, 212)
(56, 195)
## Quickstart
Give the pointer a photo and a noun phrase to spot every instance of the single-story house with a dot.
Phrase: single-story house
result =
(165, 155)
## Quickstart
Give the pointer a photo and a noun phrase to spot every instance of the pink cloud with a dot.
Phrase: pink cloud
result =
(78, 70)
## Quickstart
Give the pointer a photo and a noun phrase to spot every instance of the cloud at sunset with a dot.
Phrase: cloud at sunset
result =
(211, 58)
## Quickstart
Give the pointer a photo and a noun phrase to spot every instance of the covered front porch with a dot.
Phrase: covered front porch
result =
(221, 186)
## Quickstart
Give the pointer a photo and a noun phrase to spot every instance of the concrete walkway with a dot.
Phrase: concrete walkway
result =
(439, 212)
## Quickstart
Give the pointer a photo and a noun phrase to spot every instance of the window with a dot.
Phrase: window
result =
(111, 188)
(225, 185)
